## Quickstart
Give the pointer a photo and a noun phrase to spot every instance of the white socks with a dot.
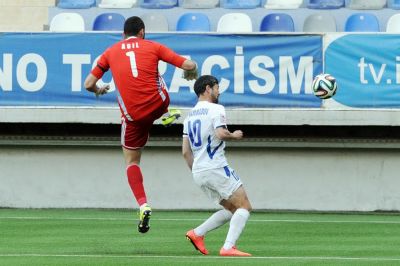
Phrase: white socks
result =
(216, 220)
(236, 226)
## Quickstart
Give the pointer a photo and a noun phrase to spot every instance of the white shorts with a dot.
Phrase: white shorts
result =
(218, 184)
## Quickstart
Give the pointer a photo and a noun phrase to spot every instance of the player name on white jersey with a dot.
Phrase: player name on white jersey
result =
(201, 111)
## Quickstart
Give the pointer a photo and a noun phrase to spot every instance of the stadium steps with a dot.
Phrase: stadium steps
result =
(24, 15)
(170, 141)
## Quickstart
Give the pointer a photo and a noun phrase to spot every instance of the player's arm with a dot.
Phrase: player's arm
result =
(96, 74)
(189, 66)
(91, 85)
(187, 152)
(190, 70)
(224, 134)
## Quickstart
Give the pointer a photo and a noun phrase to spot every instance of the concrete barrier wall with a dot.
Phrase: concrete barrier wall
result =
(275, 178)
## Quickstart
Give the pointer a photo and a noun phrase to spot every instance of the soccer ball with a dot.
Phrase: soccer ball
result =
(324, 86)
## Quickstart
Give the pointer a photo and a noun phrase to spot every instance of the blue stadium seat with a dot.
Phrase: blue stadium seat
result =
(240, 3)
(393, 4)
(365, 4)
(325, 4)
(364, 22)
(193, 22)
(109, 22)
(198, 3)
(277, 22)
(76, 3)
(158, 3)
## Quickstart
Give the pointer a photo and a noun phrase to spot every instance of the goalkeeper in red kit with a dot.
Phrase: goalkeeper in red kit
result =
(142, 98)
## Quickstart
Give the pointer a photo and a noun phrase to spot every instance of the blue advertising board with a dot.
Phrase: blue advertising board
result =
(367, 69)
(48, 69)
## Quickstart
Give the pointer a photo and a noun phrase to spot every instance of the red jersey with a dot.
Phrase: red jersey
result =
(134, 66)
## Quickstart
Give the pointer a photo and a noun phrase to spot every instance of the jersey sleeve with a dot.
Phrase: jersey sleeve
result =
(218, 116)
(102, 66)
(169, 56)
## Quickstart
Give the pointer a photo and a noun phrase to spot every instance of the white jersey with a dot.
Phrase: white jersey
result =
(199, 126)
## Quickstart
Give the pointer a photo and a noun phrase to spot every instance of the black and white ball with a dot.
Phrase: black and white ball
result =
(324, 86)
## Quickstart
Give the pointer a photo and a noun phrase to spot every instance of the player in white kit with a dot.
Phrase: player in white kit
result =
(204, 135)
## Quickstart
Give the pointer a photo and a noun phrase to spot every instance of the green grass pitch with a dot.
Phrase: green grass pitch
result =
(110, 237)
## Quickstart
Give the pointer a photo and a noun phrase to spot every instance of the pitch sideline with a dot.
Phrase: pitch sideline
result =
(204, 257)
(191, 219)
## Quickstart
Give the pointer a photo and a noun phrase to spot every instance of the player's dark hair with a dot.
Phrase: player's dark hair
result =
(133, 25)
(202, 82)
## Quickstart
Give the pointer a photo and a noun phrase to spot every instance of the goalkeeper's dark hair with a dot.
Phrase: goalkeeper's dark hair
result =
(133, 25)
(202, 82)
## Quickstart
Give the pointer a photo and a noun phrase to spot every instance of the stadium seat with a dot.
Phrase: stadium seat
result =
(235, 23)
(193, 22)
(76, 3)
(393, 24)
(158, 3)
(67, 22)
(117, 3)
(393, 4)
(279, 4)
(155, 22)
(240, 3)
(325, 4)
(364, 22)
(109, 22)
(277, 22)
(319, 22)
(198, 3)
(365, 4)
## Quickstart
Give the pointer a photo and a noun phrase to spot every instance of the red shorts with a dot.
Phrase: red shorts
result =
(134, 134)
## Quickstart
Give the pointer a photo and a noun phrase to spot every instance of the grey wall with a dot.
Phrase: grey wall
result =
(275, 178)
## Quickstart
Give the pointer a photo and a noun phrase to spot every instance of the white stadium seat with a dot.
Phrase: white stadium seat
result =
(235, 23)
(117, 3)
(320, 22)
(287, 4)
(67, 22)
(393, 24)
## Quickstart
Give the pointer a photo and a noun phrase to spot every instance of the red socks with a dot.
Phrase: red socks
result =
(135, 180)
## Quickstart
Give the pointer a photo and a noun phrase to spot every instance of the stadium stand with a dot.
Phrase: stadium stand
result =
(325, 4)
(214, 12)
(193, 22)
(117, 3)
(240, 4)
(393, 24)
(158, 3)
(155, 22)
(235, 22)
(198, 3)
(362, 22)
(76, 4)
(366, 4)
(67, 22)
(320, 22)
(277, 22)
(109, 22)
(288, 4)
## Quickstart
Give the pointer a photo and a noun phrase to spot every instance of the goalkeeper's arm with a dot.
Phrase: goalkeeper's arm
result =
(190, 70)
(91, 85)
